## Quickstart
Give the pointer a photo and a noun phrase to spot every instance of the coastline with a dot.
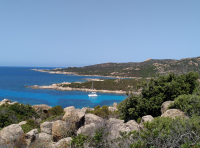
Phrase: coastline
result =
(73, 73)
(58, 86)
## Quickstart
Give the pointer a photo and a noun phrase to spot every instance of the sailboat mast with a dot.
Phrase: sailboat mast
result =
(92, 85)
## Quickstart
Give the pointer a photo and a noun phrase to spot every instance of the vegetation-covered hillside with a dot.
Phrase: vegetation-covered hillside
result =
(109, 84)
(142, 69)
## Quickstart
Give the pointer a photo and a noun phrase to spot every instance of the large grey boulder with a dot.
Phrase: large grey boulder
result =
(77, 116)
(146, 118)
(112, 109)
(91, 118)
(114, 120)
(116, 128)
(66, 109)
(172, 113)
(165, 105)
(88, 129)
(59, 130)
(134, 126)
(46, 127)
(22, 123)
(45, 137)
(10, 133)
(31, 136)
(62, 143)
(44, 141)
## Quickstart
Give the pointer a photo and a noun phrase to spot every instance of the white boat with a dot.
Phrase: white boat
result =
(93, 94)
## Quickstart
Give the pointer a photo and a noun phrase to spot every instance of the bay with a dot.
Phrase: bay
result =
(13, 80)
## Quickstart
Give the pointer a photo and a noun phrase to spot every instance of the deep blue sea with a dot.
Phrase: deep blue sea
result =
(13, 80)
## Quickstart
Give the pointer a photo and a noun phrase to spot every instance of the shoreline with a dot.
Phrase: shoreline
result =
(73, 73)
(59, 87)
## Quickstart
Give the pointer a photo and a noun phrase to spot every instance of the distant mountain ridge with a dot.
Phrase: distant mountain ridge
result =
(141, 69)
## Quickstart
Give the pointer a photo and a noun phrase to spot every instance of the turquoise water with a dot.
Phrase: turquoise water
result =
(13, 80)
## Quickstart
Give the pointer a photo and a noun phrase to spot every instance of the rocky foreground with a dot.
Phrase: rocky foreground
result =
(51, 133)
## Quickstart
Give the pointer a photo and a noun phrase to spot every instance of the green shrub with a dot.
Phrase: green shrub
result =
(23, 111)
(57, 110)
(53, 118)
(79, 140)
(190, 104)
(132, 107)
(7, 117)
(29, 126)
(168, 132)
(12, 114)
(155, 92)
(26, 128)
(103, 112)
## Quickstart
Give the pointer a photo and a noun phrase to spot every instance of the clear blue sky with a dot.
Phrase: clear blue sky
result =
(84, 32)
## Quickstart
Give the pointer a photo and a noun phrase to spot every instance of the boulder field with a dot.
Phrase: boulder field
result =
(74, 121)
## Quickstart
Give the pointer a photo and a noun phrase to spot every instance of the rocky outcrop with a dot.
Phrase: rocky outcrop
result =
(165, 105)
(112, 109)
(146, 118)
(22, 123)
(59, 130)
(4, 101)
(114, 120)
(76, 115)
(43, 107)
(114, 104)
(10, 133)
(34, 87)
(46, 127)
(116, 128)
(172, 113)
(111, 126)
(69, 108)
(133, 125)
(31, 136)
(45, 137)
(88, 129)
(84, 109)
(62, 143)
(91, 118)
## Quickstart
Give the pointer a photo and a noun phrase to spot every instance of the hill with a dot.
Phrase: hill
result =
(141, 69)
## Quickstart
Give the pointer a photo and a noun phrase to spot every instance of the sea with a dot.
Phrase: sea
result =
(14, 79)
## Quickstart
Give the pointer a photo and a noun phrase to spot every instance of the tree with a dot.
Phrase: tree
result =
(155, 92)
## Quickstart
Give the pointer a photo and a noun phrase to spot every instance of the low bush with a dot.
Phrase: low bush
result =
(30, 125)
(53, 118)
(12, 114)
(103, 112)
(168, 132)
(190, 104)
(7, 117)
(57, 110)
(133, 107)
